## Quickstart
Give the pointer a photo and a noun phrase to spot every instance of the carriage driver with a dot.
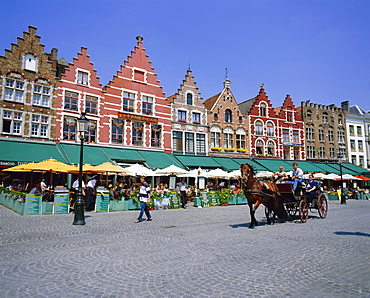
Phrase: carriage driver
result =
(280, 176)
(297, 176)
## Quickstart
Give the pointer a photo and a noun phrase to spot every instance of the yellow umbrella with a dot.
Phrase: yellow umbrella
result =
(28, 167)
(109, 167)
(86, 168)
(52, 165)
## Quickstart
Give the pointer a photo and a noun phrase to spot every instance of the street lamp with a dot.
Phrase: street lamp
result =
(342, 197)
(79, 219)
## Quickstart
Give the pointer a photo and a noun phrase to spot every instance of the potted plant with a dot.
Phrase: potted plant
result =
(224, 196)
(134, 202)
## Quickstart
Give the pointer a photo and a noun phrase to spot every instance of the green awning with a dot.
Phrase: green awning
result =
(123, 155)
(273, 165)
(16, 152)
(327, 168)
(256, 165)
(345, 170)
(156, 159)
(93, 155)
(354, 168)
(227, 163)
(307, 166)
(194, 162)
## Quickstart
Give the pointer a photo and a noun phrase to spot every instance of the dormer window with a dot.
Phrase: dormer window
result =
(82, 78)
(30, 62)
(263, 110)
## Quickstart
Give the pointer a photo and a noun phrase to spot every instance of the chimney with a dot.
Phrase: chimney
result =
(345, 105)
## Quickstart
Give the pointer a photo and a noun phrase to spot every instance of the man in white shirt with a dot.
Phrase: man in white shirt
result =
(90, 193)
(183, 188)
(297, 176)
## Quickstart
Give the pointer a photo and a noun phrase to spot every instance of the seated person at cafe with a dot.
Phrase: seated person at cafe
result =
(311, 188)
(280, 176)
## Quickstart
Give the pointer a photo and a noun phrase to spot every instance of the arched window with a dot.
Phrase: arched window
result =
(270, 129)
(263, 110)
(325, 117)
(259, 128)
(189, 99)
(259, 147)
(309, 115)
(240, 120)
(340, 119)
(215, 117)
(271, 148)
(228, 116)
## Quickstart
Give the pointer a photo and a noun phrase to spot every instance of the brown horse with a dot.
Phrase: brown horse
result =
(258, 192)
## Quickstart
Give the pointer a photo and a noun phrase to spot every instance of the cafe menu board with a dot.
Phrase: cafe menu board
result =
(204, 199)
(175, 201)
(212, 197)
(61, 202)
(32, 204)
(102, 201)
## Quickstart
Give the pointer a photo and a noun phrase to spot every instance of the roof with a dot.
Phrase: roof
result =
(209, 103)
(172, 98)
(245, 106)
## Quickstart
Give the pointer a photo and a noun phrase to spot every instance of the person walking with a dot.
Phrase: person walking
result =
(144, 198)
(90, 194)
(183, 188)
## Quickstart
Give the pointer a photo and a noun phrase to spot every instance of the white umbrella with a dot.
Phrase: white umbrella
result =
(332, 176)
(194, 173)
(316, 176)
(349, 177)
(264, 174)
(217, 173)
(140, 170)
(171, 170)
(235, 174)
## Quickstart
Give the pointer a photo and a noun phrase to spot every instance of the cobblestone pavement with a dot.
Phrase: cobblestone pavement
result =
(197, 252)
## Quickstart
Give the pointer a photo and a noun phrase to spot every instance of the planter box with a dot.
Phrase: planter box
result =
(132, 205)
(125, 205)
(19, 207)
(232, 200)
(47, 207)
(116, 205)
(197, 202)
(333, 197)
(241, 200)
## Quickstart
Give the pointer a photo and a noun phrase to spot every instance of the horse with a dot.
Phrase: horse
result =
(258, 192)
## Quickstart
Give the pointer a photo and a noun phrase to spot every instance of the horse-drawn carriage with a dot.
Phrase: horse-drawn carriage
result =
(279, 199)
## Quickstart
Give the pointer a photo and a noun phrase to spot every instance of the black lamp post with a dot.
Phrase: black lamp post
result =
(342, 197)
(79, 204)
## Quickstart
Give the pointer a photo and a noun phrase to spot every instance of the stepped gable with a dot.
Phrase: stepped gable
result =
(189, 84)
(288, 105)
(262, 97)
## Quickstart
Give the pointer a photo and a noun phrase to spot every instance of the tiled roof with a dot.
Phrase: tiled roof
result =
(245, 106)
(211, 101)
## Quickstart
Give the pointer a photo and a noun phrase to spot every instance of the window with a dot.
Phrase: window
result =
(91, 104)
(177, 141)
(14, 90)
(30, 62)
(128, 102)
(296, 153)
(340, 136)
(259, 147)
(200, 143)
(271, 148)
(228, 140)
(117, 131)
(181, 116)
(189, 142)
(228, 116)
(82, 78)
(137, 133)
(360, 145)
(296, 136)
(289, 116)
(286, 152)
(309, 115)
(340, 120)
(69, 129)
(259, 128)
(321, 134)
(331, 135)
(322, 152)
(361, 161)
(311, 152)
(270, 129)
(263, 109)
(215, 139)
(70, 101)
(353, 159)
(240, 141)
(12, 122)
(353, 145)
(156, 135)
(240, 120)
(310, 136)
(41, 96)
(90, 136)
(359, 131)
(39, 125)
(147, 108)
(286, 138)
(331, 152)
(341, 154)
(215, 117)
(325, 118)
(189, 99)
(196, 118)
(351, 130)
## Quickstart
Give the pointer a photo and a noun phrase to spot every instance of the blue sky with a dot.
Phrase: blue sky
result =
(313, 49)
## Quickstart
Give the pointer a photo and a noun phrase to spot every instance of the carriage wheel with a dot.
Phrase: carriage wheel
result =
(270, 216)
(303, 210)
(322, 205)
(291, 209)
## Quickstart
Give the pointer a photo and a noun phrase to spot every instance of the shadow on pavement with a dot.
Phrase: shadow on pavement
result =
(352, 233)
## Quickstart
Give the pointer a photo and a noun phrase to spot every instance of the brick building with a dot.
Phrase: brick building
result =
(28, 78)
(189, 119)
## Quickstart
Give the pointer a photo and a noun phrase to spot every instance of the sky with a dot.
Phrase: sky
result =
(317, 50)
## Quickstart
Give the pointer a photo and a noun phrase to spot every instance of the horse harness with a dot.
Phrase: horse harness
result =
(262, 193)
